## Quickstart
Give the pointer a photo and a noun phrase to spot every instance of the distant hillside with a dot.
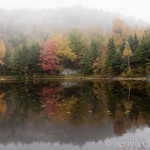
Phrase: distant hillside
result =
(37, 21)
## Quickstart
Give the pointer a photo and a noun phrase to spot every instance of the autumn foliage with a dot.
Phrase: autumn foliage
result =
(48, 57)
(2, 53)
(49, 96)
(87, 52)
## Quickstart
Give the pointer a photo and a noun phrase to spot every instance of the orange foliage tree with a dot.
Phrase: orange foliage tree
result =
(2, 53)
(48, 57)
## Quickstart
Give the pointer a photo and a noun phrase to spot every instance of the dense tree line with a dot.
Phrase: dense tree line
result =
(123, 52)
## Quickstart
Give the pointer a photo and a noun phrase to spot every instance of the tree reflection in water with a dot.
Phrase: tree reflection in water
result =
(57, 113)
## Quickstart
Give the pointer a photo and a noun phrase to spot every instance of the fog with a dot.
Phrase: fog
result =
(137, 9)
(41, 22)
(45, 16)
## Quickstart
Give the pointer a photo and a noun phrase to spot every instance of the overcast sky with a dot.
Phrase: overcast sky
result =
(139, 9)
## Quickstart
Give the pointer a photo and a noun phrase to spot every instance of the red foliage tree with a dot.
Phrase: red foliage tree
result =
(48, 57)
(49, 96)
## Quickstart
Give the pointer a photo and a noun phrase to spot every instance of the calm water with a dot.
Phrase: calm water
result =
(73, 115)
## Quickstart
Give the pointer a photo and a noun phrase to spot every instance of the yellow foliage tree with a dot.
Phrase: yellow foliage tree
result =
(2, 53)
(128, 53)
(117, 31)
(63, 49)
(120, 31)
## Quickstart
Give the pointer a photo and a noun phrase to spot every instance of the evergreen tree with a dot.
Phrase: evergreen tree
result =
(114, 62)
(122, 46)
(133, 42)
(86, 65)
(18, 62)
(33, 58)
(110, 56)
(142, 56)
(95, 47)
(118, 63)
(24, 60)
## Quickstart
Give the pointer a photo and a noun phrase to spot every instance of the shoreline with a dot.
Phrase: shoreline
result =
(13, 78)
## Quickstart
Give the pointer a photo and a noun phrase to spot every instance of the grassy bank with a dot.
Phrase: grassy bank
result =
(76, 77)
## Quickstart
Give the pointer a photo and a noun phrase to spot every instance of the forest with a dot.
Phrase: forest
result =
(28, 48)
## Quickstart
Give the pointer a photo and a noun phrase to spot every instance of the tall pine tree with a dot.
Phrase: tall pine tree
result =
(86, 65)
(110, 56)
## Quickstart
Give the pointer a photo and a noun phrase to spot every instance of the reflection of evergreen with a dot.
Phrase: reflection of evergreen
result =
(89, 97)
(79, 113)
(134, 113)
(87, 92)
(86, 102)
(25, 100)
(141, 98)
(115, 93)
(70, 91)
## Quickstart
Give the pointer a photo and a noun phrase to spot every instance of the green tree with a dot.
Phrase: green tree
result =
(24, 60)
(110, 57)
(122, 46)
(133, 42)
(142, 56)
(86, 65)
(118, 63)
(78, 42)
(114, 62)
(33, 55)
(18, 62)
(95, 50)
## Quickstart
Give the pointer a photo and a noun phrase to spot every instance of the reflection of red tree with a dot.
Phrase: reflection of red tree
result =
(3, 105)
(49, 96)
(103, 50)
(118, 122)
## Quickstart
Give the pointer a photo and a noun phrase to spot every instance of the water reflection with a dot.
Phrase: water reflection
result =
(74, 115)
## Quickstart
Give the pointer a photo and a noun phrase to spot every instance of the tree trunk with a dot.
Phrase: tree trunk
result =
(129, 64)
(129, 90)
(26, 72)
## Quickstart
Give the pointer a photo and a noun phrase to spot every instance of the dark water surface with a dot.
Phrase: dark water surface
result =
(75, 115)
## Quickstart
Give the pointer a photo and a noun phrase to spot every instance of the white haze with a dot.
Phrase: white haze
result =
(138, 9)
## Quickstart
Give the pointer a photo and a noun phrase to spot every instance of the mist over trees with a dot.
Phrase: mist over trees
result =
(88, 40)
(53, 20)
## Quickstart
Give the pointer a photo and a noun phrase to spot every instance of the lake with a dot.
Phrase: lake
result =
(75, 115)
